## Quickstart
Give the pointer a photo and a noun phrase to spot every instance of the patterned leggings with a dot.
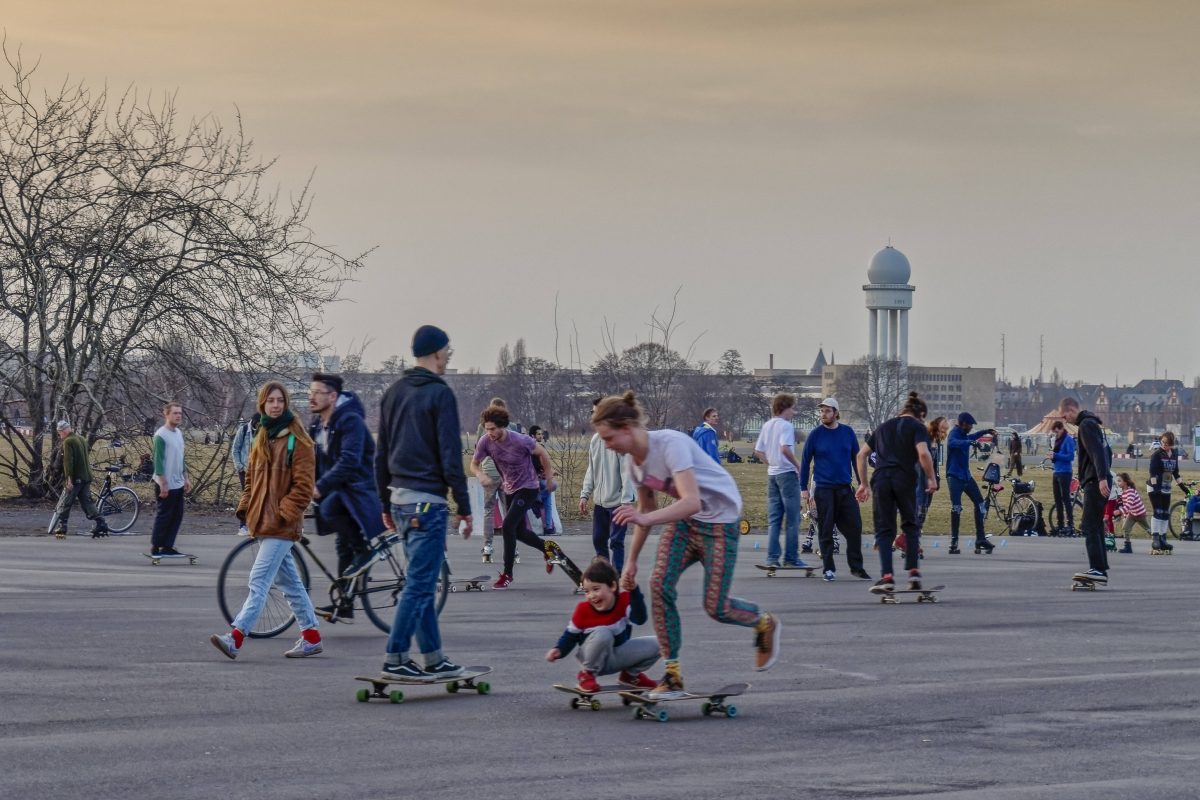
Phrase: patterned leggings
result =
(678, 548)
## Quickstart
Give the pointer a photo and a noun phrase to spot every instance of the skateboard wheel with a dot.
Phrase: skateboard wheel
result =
(362, 695)
(731, 711)
(661, 716)
(574, 703)
(483, 687)
(743, 527)
(453, 589)
(706, 708)
(625, 701)
(396, 696)
(452, 687)
(595, 704)
(638, 713)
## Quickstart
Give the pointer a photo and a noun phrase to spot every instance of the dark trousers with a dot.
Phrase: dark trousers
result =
(836, 506)
(168, 518)
(959, 487)
(608, 535)
(896, 495)
(1014, 463)
(82, 491)
(516, 525)
(1092, 526)
(1064, 510)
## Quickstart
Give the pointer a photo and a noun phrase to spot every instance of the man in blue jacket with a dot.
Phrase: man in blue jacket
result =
(419, 458)
(347, 503)
(705, 433)
(958, 473)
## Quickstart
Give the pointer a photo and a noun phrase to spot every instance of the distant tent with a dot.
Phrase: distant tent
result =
(1043, 427)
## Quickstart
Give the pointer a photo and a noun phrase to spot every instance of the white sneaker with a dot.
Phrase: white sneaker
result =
(224, 642)
(303, 649)
(243, 531)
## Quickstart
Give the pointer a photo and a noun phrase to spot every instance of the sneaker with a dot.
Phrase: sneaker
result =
(243, 530)
(1093, 575)
(807, 549)
(772, 562)
(586, 682)
(671, 685)
(407, 671)
(304, 648)
(444, 669)
(795, 563)
(884, 585)
(168, 551)
(639, 681)
(224, 642)
(503, 582)
(766, 642)
(487, 550)
(860, 573)
(830, 576)
(914, 580)
(334, 613)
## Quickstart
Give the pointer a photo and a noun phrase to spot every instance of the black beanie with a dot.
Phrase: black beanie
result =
(428, 340)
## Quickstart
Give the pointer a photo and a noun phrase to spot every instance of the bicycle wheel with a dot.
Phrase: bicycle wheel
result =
(120, 509)
(380, 587)
(1022, 517)
(1177, 522)
(233, 584)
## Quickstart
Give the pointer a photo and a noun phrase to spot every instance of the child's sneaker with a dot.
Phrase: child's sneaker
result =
(304, 648)
(671, 685)
(225, 643)
(586, 681)
(503, 582)
(884, 585)
(766, 642)
(408, 671)
(639, 681)
(914, 580)
(444, 669)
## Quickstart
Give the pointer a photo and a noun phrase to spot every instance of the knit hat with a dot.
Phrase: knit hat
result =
(965, 418)
(63, 425)
(428, 340)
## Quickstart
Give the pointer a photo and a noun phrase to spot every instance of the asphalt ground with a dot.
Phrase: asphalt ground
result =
(1012, 686)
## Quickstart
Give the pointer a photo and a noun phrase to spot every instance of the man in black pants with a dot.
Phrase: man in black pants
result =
(833, 447)
(899, 445)
(1095, 460)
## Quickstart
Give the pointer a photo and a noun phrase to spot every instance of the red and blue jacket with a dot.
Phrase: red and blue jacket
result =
(629, 610)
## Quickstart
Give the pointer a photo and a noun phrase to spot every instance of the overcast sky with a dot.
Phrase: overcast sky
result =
(1038, 163)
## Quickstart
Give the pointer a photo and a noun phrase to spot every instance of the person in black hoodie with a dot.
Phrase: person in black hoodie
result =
(419, 458)
(1095, 460)
(347, 503)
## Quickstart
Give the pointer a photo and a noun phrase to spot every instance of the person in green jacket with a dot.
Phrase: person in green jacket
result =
(78, 474)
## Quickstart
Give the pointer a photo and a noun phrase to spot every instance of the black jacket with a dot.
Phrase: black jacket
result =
(345, 469)
(419, 444)
(1095, 458)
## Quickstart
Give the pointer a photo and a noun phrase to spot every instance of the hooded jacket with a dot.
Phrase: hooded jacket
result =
(1095, 459)
(344, 467)
(1063, 456)
(419, 443)
(958, 452)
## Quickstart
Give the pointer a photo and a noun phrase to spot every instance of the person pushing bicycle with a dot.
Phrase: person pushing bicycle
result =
(78, 474)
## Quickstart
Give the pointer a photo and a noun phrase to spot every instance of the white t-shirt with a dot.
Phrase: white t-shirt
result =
(776, 434)
(671, 452)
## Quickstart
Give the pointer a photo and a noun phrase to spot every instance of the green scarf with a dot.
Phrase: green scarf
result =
(274, 426)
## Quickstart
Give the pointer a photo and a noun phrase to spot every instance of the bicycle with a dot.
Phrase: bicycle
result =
(1020, 516)
(118, 505)
(376, 591)
(1178, 521)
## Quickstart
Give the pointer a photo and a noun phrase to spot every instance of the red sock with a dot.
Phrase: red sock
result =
(238, 638)
(312, 636)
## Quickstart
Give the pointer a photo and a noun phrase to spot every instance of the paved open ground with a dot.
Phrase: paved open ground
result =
(1012, 686)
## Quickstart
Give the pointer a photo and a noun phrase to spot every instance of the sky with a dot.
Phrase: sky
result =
(1037, 162)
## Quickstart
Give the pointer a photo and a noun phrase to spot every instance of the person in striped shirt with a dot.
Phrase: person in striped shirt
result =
(1131, 507)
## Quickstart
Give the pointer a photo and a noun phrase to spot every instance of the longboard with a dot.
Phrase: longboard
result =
(714, 702)
(584, 699)
(465, 680)
(158, 559)
(808, 571)
(923, 595)
(1080, 582)
(470, 584)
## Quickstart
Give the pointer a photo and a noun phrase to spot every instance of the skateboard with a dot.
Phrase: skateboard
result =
(379, 686)
(808, 571)
(584, 699)
(714, 702)
(475, 583)
(1080, 582)
(560, 559)
(923, 595)
(156, 560)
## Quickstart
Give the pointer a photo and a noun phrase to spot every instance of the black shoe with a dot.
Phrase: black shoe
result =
(806, 549)
(408, 670)
(444, 669)
(860, 573)
(984, 547)
(1127, 547)
(168, 551)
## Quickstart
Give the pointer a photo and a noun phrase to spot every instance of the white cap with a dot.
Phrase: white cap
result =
(63, 424)
(831, 402)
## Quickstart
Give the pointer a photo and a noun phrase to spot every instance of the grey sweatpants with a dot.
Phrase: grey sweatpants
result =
(599, 657)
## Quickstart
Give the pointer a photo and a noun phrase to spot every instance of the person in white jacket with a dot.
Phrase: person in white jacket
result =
(607, 485)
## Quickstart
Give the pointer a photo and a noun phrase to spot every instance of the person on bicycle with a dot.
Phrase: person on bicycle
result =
(1062, 455)
(1164, 465)
(958, 474)
(347, 502)
(77, 474)
(417, 460)
(279, 487)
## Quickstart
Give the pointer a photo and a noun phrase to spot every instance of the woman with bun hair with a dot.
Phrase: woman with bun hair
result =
(701, 526)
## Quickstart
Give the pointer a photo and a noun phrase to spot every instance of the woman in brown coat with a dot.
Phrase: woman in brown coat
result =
(279, 486)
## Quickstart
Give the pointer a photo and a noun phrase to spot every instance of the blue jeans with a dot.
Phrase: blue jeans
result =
(608, 535)
(274, 564)
(423, 526)
(783, 499)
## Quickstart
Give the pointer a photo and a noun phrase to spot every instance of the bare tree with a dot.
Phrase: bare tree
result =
(128, 237)
(871, 390)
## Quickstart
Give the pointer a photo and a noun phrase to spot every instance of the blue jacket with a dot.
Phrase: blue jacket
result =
(344, 468)
(1064, 456)
(706, 437)
(958, 453)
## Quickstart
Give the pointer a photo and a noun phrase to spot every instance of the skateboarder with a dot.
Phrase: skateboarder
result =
(1095, 460)
(700, 526)
(602, 626)
(899, 445)
(279, 486)
(77, 473)
(171, 477)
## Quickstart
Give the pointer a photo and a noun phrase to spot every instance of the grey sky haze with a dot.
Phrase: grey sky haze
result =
(1037, 162)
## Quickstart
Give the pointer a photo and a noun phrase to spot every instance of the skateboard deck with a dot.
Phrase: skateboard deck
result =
(923, 595)
(379, 685)
(584, 699)
(713, 702)
(156, 560)
(808, 571)
(470, 584)
(560, 559)
(1087, 584)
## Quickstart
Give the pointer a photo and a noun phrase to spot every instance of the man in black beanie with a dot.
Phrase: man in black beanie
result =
(419, 459)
